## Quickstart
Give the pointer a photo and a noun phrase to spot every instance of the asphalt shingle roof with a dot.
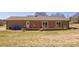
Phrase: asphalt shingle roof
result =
(37, 18)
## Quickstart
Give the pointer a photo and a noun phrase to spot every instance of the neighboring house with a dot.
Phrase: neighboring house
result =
(74, 19)
(32, 22)
(2, 22)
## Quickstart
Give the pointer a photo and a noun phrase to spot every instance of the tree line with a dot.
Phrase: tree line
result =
(45, 14)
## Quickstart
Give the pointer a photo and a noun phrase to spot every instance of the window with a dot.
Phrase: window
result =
(44, 24)
(58, 24)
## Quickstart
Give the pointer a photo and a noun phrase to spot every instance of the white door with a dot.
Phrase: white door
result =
(27, 24)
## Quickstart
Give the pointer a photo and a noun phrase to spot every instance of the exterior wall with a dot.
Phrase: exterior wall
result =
(35, 24)
(11, 23)
(58, 24)
(51, 24)
(38, 24)
(65, 24)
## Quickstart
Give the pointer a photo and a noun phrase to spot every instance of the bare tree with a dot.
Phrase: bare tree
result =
(41, 14)
(58, 14)
(62, 15)
(52, 14)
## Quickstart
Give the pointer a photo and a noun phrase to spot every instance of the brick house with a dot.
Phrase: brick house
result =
(2, 22)
(32, 22)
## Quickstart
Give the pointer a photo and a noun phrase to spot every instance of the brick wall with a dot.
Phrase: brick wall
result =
(35, 24)
(12, 23)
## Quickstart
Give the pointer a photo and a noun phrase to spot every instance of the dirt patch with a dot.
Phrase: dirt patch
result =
(2, 29)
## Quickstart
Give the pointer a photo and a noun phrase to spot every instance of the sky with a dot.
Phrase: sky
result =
(4, 15)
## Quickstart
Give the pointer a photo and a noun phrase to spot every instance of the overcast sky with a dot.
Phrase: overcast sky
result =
(4, 15)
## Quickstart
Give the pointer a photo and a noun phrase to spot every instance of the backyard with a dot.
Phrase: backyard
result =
(53, 38)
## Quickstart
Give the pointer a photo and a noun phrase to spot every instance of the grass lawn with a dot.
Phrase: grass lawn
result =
(54, 38)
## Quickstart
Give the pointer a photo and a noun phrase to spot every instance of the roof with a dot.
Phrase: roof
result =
(37, 18)
(16, 18)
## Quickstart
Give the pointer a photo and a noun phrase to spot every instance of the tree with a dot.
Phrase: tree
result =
(40, 14)
(63, 15)
(52, 14)
(58, 14)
